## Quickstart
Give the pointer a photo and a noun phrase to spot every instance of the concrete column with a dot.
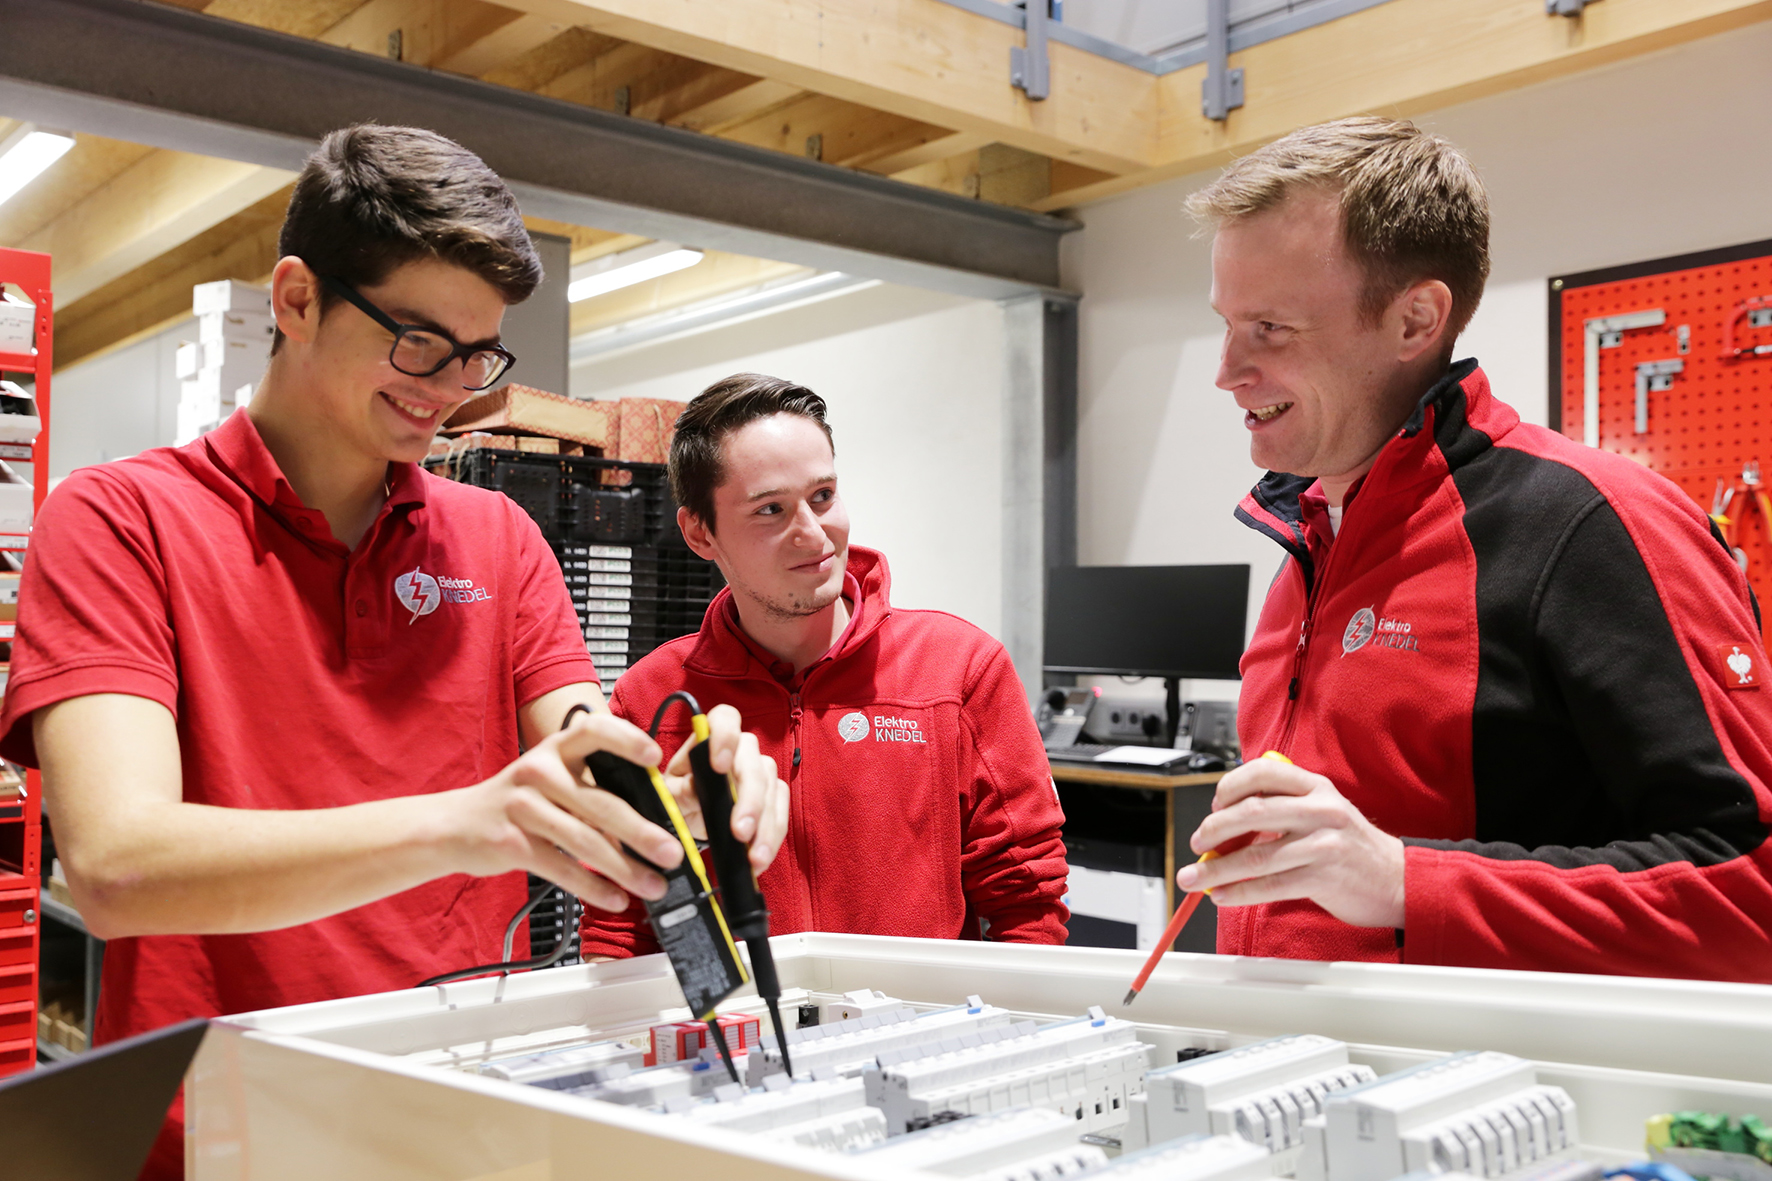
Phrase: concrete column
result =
(1039, 467)
(537, 329)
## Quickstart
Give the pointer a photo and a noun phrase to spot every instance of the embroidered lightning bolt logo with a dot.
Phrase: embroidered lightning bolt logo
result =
(418, 593)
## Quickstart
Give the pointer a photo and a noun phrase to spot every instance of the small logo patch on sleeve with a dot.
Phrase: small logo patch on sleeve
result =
(1739, 665)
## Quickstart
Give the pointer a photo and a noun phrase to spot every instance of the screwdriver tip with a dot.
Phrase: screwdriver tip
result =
(1131, 995)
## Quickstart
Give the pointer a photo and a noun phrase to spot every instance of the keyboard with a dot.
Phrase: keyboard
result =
(1087, 750)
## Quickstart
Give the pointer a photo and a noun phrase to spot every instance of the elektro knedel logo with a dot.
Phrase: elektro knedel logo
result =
(893, 729)
(852, 727)
(418, 593)
(422, 594)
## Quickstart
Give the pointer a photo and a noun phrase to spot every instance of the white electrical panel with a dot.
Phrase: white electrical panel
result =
(967, 1147)
(1262, 1092)
(1084, 1068)
(1195, 1158)
(574, 1066)
(1479, 1112)
(848, 1045)
(916, 1074)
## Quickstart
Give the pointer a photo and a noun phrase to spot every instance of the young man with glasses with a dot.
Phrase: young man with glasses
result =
(281, 765)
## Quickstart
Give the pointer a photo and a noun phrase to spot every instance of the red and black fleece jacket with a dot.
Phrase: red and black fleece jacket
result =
(1537, 664)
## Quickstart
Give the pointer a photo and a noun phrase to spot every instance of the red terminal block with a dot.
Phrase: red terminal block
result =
(677, 1041)
(741, 1032)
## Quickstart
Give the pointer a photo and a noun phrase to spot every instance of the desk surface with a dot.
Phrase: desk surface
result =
(1127, 777)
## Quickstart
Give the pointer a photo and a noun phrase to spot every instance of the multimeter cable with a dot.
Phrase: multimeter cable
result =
(568, 920)
(740, 896)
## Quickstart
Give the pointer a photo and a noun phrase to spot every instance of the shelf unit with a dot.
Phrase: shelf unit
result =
(21, 821)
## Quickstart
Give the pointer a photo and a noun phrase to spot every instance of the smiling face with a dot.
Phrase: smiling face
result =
(781, 533)
(1321, 386)
(367, 406)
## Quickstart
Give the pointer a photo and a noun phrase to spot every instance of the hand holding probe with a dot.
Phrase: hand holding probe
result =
(1190, 904)
(690, 928)
(739, 894)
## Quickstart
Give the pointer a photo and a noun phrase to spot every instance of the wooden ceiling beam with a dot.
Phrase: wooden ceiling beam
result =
(918, 59)
(929, 151)
(716, 274)
(835, 131)
(725, 98)
(1403, 58)
(160, 202)
(147, 299)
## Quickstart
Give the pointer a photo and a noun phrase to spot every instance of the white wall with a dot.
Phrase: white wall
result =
(914, 383)
(121, 403)
(1649, 158)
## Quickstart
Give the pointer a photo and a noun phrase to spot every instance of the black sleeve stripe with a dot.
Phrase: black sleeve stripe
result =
(1590, 742)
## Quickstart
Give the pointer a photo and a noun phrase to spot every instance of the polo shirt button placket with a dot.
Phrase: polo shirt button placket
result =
(362, 608)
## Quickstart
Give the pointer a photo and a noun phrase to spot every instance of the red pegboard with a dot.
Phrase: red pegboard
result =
(1715, 417)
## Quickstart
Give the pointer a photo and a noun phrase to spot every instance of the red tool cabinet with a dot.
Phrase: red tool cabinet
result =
(1669, 362)
(26, 273)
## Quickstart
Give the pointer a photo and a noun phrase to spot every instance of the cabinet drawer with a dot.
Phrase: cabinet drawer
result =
(14, 904)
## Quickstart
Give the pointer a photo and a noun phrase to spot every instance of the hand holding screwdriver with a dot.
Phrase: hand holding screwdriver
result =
(1305, 840)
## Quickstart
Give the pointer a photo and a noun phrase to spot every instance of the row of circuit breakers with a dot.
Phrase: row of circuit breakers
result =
(972, 1092)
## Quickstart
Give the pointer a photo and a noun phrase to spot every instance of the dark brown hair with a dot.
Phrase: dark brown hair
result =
(697, 466)
(1412, 207)
(372, 199)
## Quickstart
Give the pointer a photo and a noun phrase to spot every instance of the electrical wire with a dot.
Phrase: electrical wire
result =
(568, 922)
(663, 706)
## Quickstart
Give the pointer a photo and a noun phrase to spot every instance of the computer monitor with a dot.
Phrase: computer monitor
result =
(1149, 621)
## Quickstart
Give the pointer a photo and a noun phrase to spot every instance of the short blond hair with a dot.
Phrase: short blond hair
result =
(1412, 207)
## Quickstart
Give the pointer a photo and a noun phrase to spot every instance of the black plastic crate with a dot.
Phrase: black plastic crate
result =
(576, 498)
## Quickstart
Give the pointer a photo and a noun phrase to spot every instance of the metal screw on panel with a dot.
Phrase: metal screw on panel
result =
(1556, 284)
(30, 917)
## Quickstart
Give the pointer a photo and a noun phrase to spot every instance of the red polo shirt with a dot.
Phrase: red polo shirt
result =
(301, 675)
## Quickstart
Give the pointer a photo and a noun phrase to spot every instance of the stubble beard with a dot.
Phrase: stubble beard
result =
(793, 606)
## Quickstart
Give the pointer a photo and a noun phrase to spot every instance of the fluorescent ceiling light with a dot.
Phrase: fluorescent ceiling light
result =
(616, 271)
(25, 154)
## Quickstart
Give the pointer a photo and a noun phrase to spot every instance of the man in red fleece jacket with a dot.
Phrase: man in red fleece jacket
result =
(922, 802)
(1519, 677)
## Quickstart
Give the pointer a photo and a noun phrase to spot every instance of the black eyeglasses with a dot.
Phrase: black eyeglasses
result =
(421, 352)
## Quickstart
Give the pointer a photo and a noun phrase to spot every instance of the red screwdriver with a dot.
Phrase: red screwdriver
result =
(1190, 904)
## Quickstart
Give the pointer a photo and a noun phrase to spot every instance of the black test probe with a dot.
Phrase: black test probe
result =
(690, 928)
(740, 897)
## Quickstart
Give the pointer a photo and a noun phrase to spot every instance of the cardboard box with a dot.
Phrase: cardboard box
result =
(645, 428)
(236, 354)
(230, 295)
(19, 428)
(522, 408)
(18, 327)
(15, 508)
(246, 326)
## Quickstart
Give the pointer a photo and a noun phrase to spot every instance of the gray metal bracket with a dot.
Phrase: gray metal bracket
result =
(1654, 376)
(1605, 332)
(1222, 92)
(1030, 69)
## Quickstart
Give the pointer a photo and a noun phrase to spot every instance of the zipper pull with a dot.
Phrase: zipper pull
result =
(794, 707)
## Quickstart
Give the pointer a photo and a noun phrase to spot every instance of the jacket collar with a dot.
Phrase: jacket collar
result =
(723, 650)
(1453, 422)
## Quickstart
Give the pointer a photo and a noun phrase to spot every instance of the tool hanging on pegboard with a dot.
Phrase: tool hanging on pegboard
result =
(1669, 362)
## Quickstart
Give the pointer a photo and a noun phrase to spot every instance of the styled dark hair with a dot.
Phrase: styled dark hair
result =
(372, 199)
(697, 466)
(1412, 207)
